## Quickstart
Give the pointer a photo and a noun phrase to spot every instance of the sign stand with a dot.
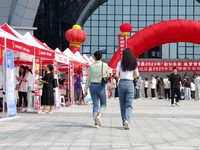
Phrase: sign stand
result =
(36, 89)
(9, 84)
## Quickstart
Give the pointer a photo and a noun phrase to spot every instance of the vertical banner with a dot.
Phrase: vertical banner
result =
(1, 56)
(10, 84)
(122, 43)
(37, 85)
(71, 82)
(57, 101)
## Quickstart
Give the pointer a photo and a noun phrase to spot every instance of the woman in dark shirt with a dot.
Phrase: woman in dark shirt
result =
(47, 98)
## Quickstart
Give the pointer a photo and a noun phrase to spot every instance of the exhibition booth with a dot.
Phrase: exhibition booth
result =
(28, 50)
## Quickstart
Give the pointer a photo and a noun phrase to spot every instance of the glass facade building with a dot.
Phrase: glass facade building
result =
(102, 27)
(103, 18)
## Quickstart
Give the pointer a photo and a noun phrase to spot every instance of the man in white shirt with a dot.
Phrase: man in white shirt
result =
(153, 87)
(197, 87)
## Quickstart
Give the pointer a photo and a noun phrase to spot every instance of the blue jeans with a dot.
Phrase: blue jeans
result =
(98, 92)
(126, 96)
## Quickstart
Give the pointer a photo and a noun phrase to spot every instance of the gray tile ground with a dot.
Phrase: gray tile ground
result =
(154, 126)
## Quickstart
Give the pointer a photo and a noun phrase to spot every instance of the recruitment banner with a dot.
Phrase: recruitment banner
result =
(38, 85)
(10, 84)
(122, 42)
(166, 66)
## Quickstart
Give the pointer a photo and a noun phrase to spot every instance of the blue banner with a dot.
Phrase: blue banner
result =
(10, 85)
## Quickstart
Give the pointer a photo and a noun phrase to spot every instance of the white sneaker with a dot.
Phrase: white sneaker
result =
(99, 123)
(173, 105)
(41, 113)
(96, 126)
(23, 109)
(126, 125)
(177, 104)
(28, 110)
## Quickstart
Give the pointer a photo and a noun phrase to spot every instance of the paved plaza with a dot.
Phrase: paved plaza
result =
(154, 126)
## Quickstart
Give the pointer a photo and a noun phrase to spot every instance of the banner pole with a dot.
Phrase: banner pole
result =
(33, 86)
(4, 76)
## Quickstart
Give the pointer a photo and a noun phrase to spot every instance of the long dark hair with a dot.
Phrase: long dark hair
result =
(27, 68)
(188, 81)
(51, 69)
(22, 74)
(129, 62)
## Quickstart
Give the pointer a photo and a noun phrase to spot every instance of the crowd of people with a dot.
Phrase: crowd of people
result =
(173, 86)
(125, 83)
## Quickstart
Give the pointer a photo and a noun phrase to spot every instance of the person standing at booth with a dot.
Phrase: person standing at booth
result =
(29, 88)
(77, 87)
(22, 88)
(127, 68)
(47, 98)
(98, 91)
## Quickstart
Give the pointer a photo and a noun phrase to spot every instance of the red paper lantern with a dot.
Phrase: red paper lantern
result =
(75, 36)
(125, 28)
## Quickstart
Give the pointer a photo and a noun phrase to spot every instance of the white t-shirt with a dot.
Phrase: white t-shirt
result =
(197, 82)
(166, 83)
(23, 85)
(192, 86)
(29, 79)
(153, 84)
(125, 74)
(146, 84)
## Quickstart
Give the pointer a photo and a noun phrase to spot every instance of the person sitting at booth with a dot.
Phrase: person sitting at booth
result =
(61, 82)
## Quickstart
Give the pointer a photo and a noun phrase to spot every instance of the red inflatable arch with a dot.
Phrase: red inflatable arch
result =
(169, 31)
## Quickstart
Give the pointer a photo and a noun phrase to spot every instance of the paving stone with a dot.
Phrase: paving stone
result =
(154, 126)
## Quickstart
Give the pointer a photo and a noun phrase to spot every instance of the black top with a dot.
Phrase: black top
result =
(175, 80)
(61, 81)
(187, 85)
(47, 97)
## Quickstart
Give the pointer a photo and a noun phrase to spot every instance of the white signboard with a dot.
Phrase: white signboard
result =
(10, 84)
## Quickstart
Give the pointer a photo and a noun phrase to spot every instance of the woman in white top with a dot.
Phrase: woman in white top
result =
(22, 90)
(29, 88)
(193, 89)
(127, 68)
(146, 87)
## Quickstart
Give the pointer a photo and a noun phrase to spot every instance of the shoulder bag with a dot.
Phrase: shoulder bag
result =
(104, 80)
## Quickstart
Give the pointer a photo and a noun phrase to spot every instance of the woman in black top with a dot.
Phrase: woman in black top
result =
(47, 98)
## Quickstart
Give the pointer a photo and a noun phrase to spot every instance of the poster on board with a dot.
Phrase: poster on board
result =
(10, 84)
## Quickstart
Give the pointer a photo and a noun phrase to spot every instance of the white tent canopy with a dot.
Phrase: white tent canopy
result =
(86, 57)
(28, 38)
(81, 57)
(72, 56)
